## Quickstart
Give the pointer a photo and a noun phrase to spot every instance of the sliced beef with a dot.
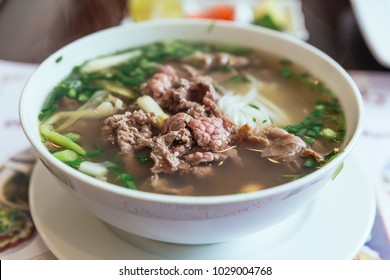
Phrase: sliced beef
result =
(282, 146)
(196, 96)
(276, 143)
(187, 142)
(161, 85)
(165, 160)
(131, 130)
(204, 157)
(189, 71)
(212, 133)
(176, 122)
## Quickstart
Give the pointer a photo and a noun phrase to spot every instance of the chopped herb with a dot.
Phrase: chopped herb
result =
(233, 49)
(226, 68)
(324, 112)
(115, 168)
(285, 62)
(308, 140)
(290, 176)
(312, 133)
(332, 155)
(254, 120)
(310, 163)
(143, 159)
(254, 106)
(340, 135)
(305, 78)
(95, 153)
(238, 79)
(337, 171)
(267, 21)
(287, 73)
(58, 59)
(127, 181)
(301, 131)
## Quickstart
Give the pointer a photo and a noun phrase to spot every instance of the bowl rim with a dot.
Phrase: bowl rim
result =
(195, 200)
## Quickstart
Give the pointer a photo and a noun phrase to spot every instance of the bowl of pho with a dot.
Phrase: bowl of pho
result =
(189, 131)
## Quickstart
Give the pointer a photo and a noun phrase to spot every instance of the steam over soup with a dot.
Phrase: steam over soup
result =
(192, 119)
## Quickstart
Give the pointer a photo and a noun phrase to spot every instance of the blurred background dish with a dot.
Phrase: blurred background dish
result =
(281, 15)
(373, 19)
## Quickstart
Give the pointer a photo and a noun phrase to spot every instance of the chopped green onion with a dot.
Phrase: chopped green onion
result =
(127, 181)
(58, 59)
(337, 171)
(125, 177)
(312, 133)
(76, 163)
(115, 168)
(66, 156)
(233, 49)
(287, 73)
(308, 140)
(61, 140)
(73, 136)
(328, 133)
(130, 185)
(290, 176)
(254, 106)
(93, 169)
(94, 153)
(301, 131)
(238, 79)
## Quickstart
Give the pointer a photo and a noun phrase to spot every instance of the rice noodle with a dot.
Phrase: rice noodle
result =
(105, 62)
(250, 108)
(98, 106)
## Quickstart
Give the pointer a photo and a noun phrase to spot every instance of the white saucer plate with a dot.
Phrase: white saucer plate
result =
(333, 226)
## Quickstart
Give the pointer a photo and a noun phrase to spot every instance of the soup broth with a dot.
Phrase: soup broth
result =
(186, 118)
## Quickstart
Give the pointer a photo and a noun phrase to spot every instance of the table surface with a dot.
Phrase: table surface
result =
(31, 30)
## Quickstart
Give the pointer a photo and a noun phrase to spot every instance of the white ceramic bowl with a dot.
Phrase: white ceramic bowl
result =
(189, 220)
